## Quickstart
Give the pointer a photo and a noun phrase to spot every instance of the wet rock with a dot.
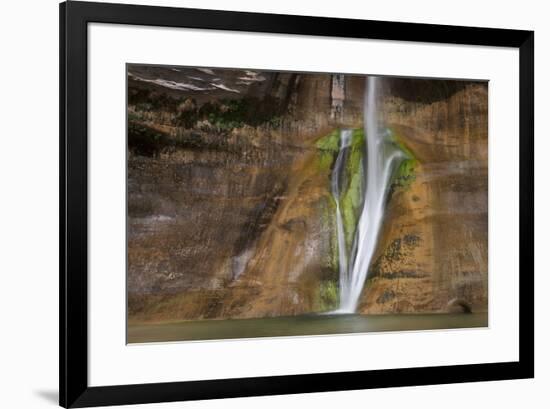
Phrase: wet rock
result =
(457, 305)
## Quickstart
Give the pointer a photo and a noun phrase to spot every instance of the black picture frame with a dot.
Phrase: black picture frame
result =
(73, 212)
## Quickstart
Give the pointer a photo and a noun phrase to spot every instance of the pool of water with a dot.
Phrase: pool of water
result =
(299, 325)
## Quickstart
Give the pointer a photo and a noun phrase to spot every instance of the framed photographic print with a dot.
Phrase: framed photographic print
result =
(257, 204)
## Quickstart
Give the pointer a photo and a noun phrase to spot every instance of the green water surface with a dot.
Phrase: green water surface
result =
(299, 325)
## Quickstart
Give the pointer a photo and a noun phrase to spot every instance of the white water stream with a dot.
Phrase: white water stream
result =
(381, 159)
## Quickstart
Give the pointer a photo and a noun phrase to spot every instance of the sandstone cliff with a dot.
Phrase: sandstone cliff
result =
(230, 212)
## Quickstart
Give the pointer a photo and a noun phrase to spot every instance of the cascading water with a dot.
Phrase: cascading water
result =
(381, 159)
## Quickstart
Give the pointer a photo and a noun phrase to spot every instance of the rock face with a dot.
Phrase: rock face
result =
(434, 244)
(230, 213)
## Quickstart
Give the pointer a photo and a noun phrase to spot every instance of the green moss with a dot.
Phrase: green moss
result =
(330, 142)
(351, 198)
(328, 298)
(223, 114)
(334, 258)
(352, 193)
(327, 209)
(325, 161)
(350, 204)
(328, 149)
(228, 115)
(405, 174)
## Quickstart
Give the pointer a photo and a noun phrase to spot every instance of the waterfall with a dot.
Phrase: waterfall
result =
(381, 159)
